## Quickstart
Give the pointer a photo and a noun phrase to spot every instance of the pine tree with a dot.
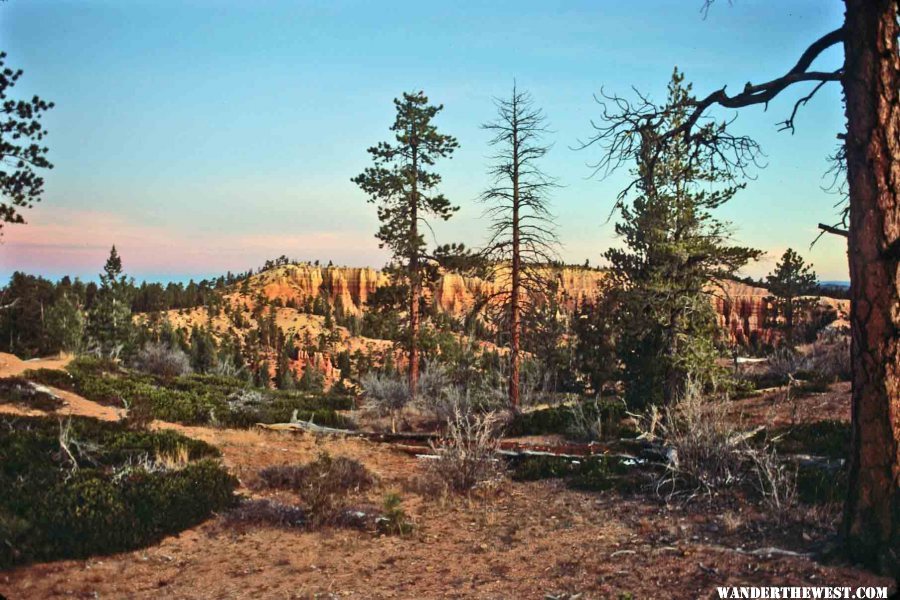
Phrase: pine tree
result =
(65, 324)
(404, 187)
(204, 357)
(522, 236)
(284, 374)
(674, 250)
(110, 329)
(791, 279)
(21, 152)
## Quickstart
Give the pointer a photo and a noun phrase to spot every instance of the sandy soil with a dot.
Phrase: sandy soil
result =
(523, 540)
(13, 365)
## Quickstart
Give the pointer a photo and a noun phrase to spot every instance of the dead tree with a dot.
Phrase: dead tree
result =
(870, 76)
(522, 227)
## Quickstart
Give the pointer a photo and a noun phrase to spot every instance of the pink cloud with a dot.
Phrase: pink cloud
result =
(77, 241)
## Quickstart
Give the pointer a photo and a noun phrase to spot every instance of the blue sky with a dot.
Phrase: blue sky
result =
(203, 136)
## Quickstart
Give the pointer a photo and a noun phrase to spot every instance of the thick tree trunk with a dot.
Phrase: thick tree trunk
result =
(414, 290)
(871, 86)
(515, 317)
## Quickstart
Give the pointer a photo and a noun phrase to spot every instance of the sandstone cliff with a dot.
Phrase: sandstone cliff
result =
(742, 310)
(351, 287)
(347, 286)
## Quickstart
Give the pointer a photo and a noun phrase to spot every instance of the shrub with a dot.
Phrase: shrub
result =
(586, 422)
(90, 487)
(829, 356)
(393, 520)
(385, 396)
(160, 359)
(578, 420)
(784, 363)
(139, 413)
(467, 455)
(16, 390)
(818, 485)
(592, 473)
(196, 399)
(701, 442)
(830, 439)
(707, 453)
(52, 377)
(322, 485)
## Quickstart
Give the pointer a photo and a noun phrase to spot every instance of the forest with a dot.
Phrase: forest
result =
(308, 429)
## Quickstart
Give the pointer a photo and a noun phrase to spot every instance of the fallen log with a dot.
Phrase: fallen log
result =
(377, 436)
(406, 442)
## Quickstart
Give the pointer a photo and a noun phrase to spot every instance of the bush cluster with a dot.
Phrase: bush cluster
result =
(593, 473)
(89, 487)
(830, 439)
(565, 419)
(192, 399)
(323, 485)
(16, 390)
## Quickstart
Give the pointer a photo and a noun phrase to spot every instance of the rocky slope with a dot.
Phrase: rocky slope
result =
(742, 309)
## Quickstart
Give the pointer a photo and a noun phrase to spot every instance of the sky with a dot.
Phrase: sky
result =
(205, 136)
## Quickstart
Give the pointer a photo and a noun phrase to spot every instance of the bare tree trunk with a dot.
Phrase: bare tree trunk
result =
(515, 317)
(871, 86)
(414, 286)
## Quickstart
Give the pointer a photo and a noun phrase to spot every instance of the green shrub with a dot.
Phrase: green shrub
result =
(263, 511)
(53, 377)
(542, 467)
(562, 419)
(813, 386)
(394, 520)
(741, 388)
(193, 399)
(595, 473)
(818, 485)
(119, 497)
(16, 390)
(823, 438)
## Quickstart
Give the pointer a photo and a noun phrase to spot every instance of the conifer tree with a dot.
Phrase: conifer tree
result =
(204, 357)
(674, 250)
(21, 151)
(791, 279)
(403, 184)
(65, 324)
(522, 228)
(110, 329)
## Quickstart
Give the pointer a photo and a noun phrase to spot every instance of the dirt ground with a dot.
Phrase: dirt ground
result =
(523, 540)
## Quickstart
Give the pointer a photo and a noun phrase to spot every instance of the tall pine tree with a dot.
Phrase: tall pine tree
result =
(403, 184)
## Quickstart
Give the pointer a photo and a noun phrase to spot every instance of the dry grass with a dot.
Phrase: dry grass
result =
(708, 452)
(467, 454)
(174, 460)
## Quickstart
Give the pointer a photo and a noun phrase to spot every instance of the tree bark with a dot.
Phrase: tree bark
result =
(871, 84)
(414, 291)
(514, 317)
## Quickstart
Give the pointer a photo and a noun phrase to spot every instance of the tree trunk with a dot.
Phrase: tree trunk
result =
(871, 85)
(514, 308)
(414, 291)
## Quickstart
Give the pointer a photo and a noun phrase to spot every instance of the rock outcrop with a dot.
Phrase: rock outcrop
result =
(348, 286)
(743, 311)
(747, 314)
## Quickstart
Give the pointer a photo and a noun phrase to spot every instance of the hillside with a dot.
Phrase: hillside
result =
(290, 293)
